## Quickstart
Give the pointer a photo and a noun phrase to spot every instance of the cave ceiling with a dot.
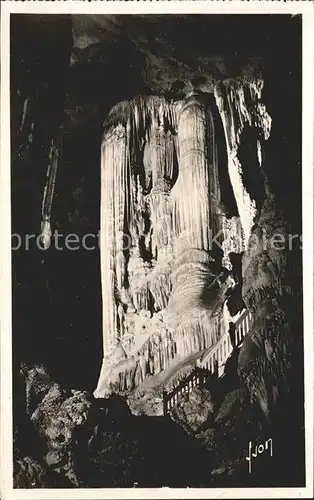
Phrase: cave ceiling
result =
(116, 57)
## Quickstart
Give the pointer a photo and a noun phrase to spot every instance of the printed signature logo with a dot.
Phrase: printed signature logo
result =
(259, 449)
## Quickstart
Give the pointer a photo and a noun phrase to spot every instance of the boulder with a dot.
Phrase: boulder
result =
(28, 473)
(193, 410)
(61, 422)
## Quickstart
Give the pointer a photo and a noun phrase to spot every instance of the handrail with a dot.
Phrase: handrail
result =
(223, 348)
(212, 364)
(196, 378)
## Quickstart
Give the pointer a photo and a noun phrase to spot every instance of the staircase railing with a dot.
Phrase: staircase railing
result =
(212, 364)
(196, 378)
(221, 351)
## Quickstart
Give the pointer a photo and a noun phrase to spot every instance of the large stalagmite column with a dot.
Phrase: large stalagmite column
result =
(114, 179)
(191, 198)
(114, 217)
(160, 275)
(196, 222)
(134, 198)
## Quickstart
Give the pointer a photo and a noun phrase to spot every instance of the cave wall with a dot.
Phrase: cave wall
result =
(38, 76)
(57, 295)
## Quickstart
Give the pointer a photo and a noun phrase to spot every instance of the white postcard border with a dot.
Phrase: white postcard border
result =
(153, 7)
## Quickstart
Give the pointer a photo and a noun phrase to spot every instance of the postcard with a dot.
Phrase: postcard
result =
(156, 249)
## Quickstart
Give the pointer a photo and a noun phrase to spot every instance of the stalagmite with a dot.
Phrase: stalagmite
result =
(114, 199)
(196, 222)
(160, 213)
(195, 190)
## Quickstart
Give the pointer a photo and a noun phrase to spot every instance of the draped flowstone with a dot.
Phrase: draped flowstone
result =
(239, 103)
(196, 221)
(163, 235)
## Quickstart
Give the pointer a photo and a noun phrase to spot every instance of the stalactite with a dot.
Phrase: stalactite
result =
(144, 114)
(239, 103)
(158, 158)
(54, 158)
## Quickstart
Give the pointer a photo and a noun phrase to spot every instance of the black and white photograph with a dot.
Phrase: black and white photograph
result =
(157, 214)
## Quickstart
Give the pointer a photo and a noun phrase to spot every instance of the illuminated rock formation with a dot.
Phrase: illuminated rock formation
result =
(196, 221)
(160, 210)
(166, 240)
(269, 277)
(168, 294)
(239, 103)
(268, 360)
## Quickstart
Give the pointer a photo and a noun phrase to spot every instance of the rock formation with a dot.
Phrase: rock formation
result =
(186, 163)
(166, 236)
